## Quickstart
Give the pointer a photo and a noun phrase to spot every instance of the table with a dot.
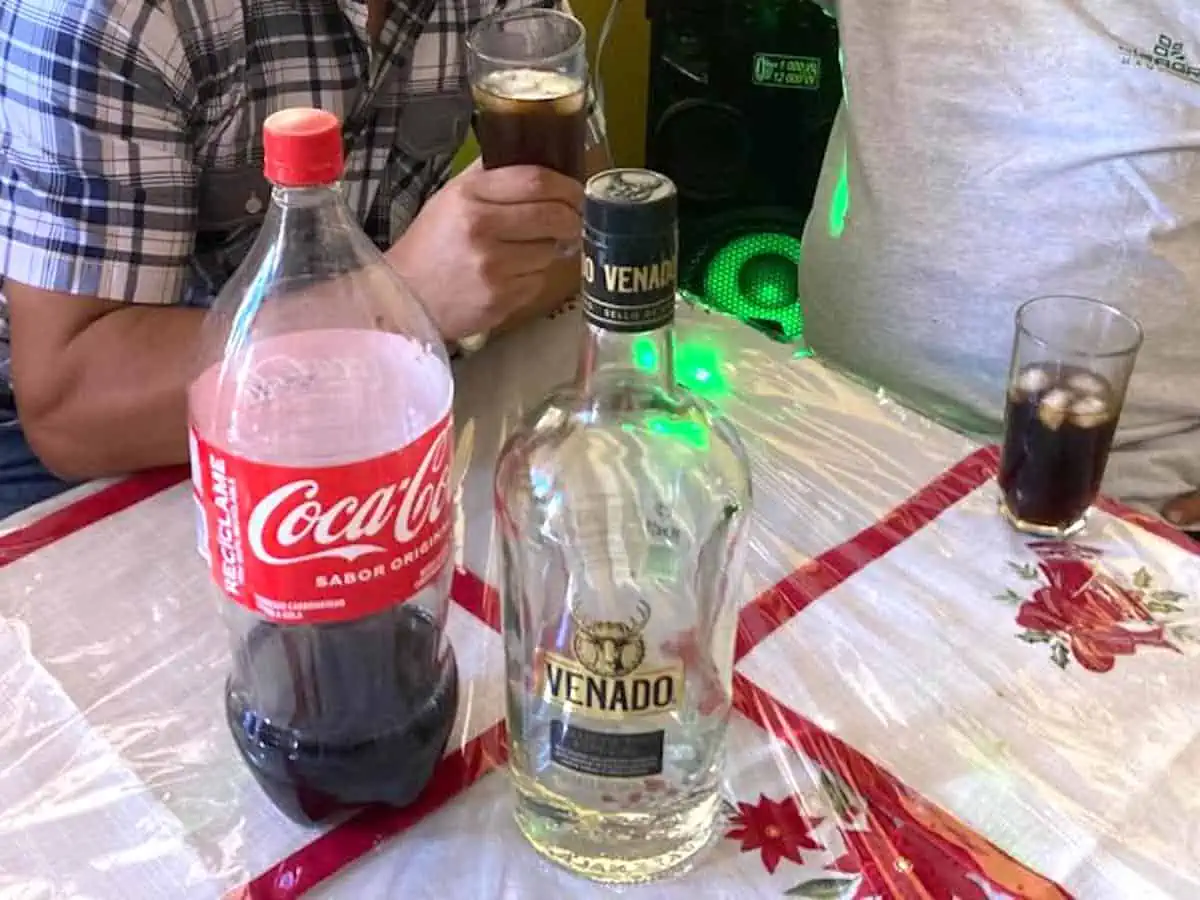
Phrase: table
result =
(928, 705)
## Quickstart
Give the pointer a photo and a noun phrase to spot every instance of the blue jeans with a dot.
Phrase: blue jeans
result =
(24, 481)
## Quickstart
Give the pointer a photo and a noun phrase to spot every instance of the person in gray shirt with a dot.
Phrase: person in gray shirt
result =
(989, 152)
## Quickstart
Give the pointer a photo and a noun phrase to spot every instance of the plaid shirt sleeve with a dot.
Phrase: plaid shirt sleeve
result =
(97, 179)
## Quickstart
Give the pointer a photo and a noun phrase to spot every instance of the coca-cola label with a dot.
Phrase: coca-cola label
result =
(326, 544)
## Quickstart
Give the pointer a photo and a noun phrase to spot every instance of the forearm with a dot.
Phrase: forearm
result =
(122, 403)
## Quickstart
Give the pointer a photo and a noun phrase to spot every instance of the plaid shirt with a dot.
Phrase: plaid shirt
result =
(130, 130)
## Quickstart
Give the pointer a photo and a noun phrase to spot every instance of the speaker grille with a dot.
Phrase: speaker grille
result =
(746, 264)
(742, 97)
(705, 147)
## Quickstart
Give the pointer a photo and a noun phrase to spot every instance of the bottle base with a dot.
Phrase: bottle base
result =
(617, 847)
(311, 784)
(315, 768)
(1038, 529)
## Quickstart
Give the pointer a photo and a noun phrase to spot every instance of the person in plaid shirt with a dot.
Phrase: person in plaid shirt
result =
(131, 187)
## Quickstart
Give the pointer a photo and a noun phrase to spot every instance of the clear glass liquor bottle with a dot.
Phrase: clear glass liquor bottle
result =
(622, 505)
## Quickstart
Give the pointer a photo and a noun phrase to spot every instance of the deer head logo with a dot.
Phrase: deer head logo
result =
(611, 649)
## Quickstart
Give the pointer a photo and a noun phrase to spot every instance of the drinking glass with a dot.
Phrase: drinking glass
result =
(529, 76)
(1072, 358)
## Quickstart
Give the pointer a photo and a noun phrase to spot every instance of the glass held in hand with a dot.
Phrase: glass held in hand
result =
(1072, 359)
(529, 76)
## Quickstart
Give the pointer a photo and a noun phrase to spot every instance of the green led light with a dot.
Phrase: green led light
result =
(754, 276)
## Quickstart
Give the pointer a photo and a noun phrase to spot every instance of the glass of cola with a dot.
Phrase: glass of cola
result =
(1072, 358)
(528, 71)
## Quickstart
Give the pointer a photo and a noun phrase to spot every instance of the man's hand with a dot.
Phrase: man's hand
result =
(1184, 512)
(489, 247)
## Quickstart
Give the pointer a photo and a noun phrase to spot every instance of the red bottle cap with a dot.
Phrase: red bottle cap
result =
(303, 148)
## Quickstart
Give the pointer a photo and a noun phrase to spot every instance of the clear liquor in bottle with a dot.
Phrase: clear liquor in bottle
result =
(623, 505)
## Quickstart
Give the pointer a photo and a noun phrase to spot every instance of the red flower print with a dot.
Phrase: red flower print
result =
(873, 854)
(898, 859)
(778, 828)
(1100, 618)
(913, 848)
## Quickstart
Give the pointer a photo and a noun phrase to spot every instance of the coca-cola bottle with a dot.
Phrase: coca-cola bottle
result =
(321, 444)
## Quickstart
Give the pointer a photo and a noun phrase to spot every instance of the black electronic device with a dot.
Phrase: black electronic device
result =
(742, 98)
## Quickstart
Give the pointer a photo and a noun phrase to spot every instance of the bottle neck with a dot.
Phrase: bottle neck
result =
(641, 356)
(309, 200)
(629, 286)
(314, 224)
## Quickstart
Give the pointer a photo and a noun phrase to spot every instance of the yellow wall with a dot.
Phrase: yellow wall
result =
(625, 71)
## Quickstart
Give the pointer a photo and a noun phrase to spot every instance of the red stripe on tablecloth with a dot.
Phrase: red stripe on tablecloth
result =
(87, 511)
(1156, 527)
(879, 788)
(337, 848)
(776, 606)
(346, 843)
(477, 597)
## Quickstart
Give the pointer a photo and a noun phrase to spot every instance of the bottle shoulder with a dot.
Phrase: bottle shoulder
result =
(602, 440)
(311, 267)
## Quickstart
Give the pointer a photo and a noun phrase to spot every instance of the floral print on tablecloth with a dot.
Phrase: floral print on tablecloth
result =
(876, 840)
(1086, 613)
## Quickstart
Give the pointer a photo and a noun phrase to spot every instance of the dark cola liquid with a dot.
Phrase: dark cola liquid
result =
(529, 118)
(342, 716)
(1059, 429)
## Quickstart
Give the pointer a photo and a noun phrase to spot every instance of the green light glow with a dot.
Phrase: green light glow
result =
(839, 204)
(645, 354)
(754, 276)
(698, 365)
(698, 368)
(692, 433)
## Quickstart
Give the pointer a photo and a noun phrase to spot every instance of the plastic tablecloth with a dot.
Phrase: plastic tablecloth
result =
(928, 705)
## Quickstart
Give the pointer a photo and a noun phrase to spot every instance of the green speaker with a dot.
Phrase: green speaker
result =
(742, 98)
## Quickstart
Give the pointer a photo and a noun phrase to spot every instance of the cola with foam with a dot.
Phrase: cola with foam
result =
(321, 448)
(526, 117)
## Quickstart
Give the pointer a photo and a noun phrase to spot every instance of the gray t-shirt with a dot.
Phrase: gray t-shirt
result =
(989, 152)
